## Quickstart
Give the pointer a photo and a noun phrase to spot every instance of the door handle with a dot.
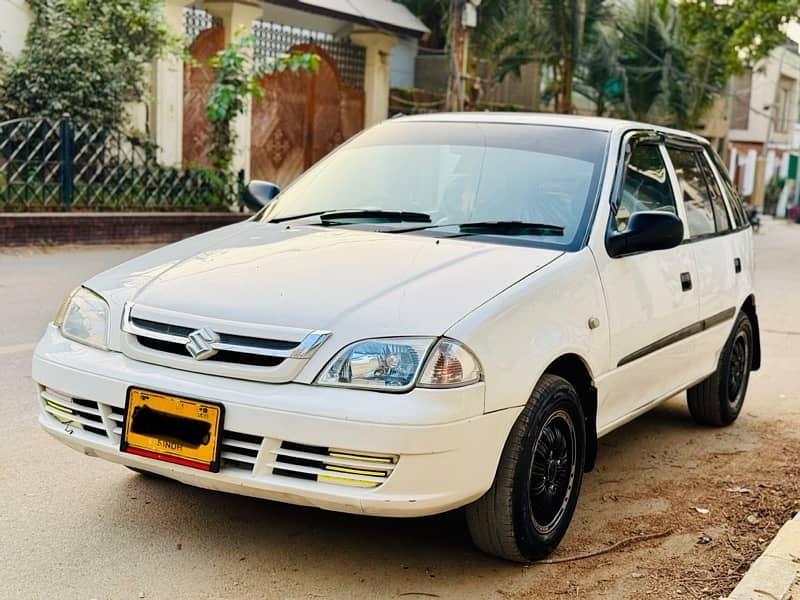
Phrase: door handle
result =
(737, 264)
(686, 281)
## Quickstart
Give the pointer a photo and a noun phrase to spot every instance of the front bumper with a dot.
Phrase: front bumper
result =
(445, 450)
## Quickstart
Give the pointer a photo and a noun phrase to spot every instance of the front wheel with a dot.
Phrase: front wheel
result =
(718, 400)
(528, 509)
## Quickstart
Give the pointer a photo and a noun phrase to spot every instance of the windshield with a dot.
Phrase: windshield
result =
(460, 174)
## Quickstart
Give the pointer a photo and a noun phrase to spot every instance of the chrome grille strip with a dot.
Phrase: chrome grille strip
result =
(162, 331)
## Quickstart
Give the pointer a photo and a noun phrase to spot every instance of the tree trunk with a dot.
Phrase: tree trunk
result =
(567, 74)
(456, 41)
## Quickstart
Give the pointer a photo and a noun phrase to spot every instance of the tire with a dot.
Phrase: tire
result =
(528, 509)
(718, 400)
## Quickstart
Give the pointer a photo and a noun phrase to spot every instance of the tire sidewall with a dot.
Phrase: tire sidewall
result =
(730, 411)
(532, 544)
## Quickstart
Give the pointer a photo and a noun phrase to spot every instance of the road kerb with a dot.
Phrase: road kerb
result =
(774, 573)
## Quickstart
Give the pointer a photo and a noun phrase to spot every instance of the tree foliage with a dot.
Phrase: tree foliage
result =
(236, 78)
(434, 14)
(553, 33)
(659, 60)
(84, 57)
(652, 57)
(724, 38)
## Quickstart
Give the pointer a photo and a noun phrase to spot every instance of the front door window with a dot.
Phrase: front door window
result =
(646, 186)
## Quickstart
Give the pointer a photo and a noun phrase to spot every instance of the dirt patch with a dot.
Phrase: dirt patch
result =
(720, 516)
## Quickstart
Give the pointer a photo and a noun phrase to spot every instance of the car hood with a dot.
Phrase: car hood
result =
(354, 282)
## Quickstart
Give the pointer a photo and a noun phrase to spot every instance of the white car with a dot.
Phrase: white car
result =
(447, 311)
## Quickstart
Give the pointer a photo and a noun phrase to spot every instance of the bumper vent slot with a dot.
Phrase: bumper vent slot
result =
(84, 414)
(330, 465)
(240, 450)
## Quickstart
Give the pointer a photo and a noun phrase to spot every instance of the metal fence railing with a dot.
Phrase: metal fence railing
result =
(57, 165)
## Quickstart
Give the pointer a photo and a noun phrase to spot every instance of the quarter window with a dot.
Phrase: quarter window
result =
(717, 201)
(735, 201)
(696, 197)
(645, 187)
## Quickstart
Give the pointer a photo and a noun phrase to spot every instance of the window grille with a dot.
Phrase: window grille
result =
(196, 21)
(274, 40)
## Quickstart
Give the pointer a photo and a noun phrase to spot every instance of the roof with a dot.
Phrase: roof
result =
(378, 14)
(596, 123)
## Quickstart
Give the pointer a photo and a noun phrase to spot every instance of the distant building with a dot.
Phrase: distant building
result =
(764, 114)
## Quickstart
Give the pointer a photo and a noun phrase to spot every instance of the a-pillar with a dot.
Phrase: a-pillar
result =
(238, 17)
(376, 73)
(167, 107)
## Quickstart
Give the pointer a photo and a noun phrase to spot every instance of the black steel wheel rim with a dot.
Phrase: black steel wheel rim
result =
(552, 471)
(737, 368)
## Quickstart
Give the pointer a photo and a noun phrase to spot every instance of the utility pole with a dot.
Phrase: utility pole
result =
(463, 17)
(456, 46)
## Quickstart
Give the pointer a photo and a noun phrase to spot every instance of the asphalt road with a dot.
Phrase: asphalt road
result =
(75, 527)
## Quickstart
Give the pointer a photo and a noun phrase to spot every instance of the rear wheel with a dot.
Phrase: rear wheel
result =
(527, 510)
(718, 400)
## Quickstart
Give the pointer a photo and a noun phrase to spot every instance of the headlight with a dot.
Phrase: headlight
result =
(84, 318)
(394, 365)
(390, 364)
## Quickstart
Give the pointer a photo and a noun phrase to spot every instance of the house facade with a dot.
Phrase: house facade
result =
(763, 117)
(15, 16)
(364, 46)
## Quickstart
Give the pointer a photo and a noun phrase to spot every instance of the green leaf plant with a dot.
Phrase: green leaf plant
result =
(236, 79)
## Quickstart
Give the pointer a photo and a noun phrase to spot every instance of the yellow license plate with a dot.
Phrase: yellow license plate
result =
(172, 429)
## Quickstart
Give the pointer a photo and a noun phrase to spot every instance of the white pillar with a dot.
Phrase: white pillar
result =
(376, 73)
(167, 107)
(238, 16)
(749, 172)
(732, 164)
(771, 168)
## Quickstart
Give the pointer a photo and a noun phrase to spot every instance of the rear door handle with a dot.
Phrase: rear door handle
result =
(686, 281)
(737, 264)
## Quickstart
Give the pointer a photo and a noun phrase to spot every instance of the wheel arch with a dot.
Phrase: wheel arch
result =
(575, 370)
(749, 308)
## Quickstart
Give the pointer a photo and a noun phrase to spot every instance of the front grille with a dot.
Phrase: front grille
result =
(226, 338)
(330, 465)
(217, 347)
(227, 356)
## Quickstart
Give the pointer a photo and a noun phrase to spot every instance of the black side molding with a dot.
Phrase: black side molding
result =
(679, 335)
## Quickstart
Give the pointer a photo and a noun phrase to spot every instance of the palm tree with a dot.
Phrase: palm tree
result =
(652, 56)
(551, 32)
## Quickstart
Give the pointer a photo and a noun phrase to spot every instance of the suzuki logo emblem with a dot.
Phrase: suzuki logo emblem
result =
(200, 343)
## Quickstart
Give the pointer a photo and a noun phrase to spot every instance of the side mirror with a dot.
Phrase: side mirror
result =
(259, 193)
(647, 231)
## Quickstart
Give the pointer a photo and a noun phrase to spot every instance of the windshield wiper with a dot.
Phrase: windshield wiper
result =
(333, 216)
(388, 216)
(496, 228)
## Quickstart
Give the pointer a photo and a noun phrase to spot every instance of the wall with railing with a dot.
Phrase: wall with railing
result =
(61, 164)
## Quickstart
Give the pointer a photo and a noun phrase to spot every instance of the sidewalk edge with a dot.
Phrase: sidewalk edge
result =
(773, 574)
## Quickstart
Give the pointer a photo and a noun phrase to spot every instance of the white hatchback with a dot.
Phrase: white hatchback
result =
(447, 311)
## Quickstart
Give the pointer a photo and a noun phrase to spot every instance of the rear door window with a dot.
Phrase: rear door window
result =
(699, 214)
